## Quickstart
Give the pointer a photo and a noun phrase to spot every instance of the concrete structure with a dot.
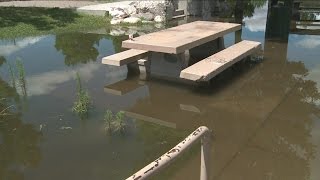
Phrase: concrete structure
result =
(125, 57)
(181, 38)
(179, 44)
(213, 65)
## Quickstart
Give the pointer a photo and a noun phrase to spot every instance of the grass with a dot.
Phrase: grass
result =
(21, 22)
(4, 111)
(115, 123)
(21, 76)
(12, 75)
(18, 71)
(21, 72)
(82, 104)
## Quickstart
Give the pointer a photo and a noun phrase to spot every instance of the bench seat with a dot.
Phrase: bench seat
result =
(125, 57)
(209, 67)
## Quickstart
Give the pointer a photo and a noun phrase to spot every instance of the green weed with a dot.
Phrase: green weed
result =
(82, 104)
(115, 123)
(12, 75)
(30, 21)
(4, 112)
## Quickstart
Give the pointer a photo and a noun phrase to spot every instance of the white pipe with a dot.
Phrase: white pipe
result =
(155, 166)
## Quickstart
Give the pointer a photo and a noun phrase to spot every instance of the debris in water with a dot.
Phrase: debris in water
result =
(65, 127)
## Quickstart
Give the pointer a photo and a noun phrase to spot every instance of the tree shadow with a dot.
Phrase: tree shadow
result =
(41, 18)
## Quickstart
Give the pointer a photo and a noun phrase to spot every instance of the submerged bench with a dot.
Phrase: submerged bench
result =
(125, 57)
(209, 67)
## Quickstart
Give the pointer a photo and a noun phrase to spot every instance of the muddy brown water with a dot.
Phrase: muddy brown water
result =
(264, 113)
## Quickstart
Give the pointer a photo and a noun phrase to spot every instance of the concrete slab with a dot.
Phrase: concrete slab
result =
(124, 57)
(181, 38)
(213, 65)
(101, 9)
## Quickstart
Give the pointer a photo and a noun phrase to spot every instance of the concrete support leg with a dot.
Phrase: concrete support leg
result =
(144, 68)
(184, 58)
(133, 69)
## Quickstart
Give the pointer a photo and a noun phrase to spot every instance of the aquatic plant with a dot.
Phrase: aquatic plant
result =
(82, 104)
(21, 76)
(119, 124)
(115, 123)
(12, 75)
(21, 72)
(108, 118)
(4, 112)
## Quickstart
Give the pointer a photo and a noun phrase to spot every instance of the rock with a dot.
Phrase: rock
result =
(131, 31)
(132, 20)
(118, 13)
(145, 22)
(160, 7)
(147, 16)
(159, 25)
(116, 21)
(131, 10)
(159, 19)
(117, 32)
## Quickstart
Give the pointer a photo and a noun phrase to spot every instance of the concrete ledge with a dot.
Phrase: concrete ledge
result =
(124, 57)
(215, 64)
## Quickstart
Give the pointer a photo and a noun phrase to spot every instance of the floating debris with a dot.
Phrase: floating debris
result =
(65, 128)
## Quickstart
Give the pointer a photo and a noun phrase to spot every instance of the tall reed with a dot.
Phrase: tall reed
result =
(12, 75)
(21, 76)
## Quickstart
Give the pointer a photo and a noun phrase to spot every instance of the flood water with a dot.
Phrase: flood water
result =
(264, 113)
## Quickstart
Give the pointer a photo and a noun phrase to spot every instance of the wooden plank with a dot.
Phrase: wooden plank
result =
(213, 65)
(180, 38)
(124, 57)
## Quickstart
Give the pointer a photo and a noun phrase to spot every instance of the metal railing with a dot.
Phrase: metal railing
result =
(202, 133)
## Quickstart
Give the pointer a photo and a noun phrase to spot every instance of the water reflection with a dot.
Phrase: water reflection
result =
(78, 47)
(19, 141)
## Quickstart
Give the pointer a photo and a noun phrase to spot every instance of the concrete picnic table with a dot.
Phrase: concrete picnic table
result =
(187, 43)
(178, 39)
(199, 44)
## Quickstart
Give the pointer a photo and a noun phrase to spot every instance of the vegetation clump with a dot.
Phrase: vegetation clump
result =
(16, 22)
(17, 76)
(82, 104)
(115, 122)
(4, 111)
(21, 77)
(12, 75)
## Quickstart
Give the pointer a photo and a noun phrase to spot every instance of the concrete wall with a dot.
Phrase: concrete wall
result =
(203, 8)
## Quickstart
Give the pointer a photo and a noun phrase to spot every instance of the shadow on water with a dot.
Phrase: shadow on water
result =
(11, 16)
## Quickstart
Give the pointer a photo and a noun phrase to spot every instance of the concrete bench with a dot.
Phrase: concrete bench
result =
(209, 67)
(125, 57)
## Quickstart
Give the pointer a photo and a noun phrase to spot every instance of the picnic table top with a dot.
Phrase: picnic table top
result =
(180, 38)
